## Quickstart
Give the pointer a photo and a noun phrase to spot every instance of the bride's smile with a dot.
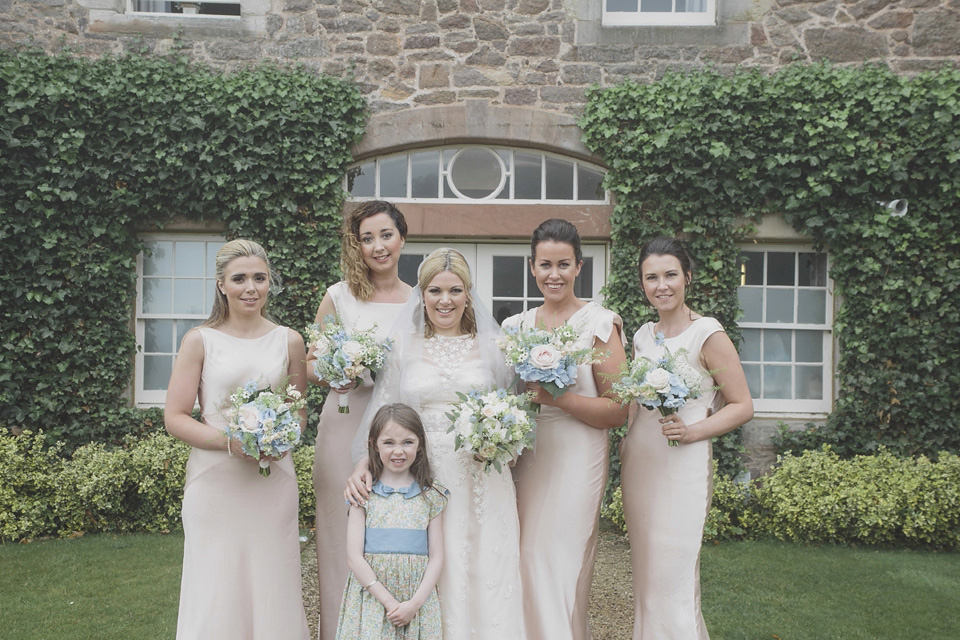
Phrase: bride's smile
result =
(445, 299)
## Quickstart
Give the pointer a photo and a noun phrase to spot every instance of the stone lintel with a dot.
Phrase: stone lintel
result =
(718, 35)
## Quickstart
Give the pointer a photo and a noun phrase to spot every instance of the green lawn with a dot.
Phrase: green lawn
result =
(125, 587)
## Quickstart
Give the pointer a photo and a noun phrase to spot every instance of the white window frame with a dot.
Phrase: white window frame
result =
(772, 407)
(443, 174)
(659, 18)
(154, 397)
(131, 9)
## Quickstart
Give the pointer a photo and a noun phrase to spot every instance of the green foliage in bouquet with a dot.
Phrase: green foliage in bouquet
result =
(703, 155)
(93, 152)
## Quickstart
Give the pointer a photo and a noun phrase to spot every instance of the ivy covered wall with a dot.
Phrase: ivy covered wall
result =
(820, 145)
(93, 151)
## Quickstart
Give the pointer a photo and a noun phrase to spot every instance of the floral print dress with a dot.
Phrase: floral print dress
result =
(395, 546)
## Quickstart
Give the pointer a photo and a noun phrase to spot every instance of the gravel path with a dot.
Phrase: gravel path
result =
(611, 601)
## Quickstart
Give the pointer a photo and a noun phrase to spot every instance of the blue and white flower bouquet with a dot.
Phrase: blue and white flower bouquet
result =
(495, 426)
(343, 357)
(548, 357)
(664, 384)
(266, 423)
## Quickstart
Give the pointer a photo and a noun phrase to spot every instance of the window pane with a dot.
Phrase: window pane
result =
(776, 381)
(752, 270)
(622, 5)
(182, 327)
(691, 6)
(809, 346)
(813, 270)
(752, 372)
(211, 264)
(425, 174)
(779, 305)
(656, 5)
(751, 301)
(189, 259)
(812, 306)
(503, 309)
(583, 287)
(505, 191)
(809, 383)
(158, 259)
(408, 265)
(559, 179)
(533, 291)
(188, 296)
(750, 345)
(156, 372)
(158, 336)
(476, 173)
(589, 183)
(508, 276)
(780, 268)
(361, 180)
(777, 345)
(157, 295)
(393, 177)
(447, 158)
(527, 170)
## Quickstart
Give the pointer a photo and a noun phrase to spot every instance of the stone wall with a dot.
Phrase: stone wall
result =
(534, 53)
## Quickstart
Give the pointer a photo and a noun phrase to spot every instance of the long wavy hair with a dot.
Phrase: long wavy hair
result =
(239, 248)
(446, 259)
(409, 419)
(356, 273)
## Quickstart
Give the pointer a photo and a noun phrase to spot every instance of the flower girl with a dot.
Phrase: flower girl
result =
(395, 541)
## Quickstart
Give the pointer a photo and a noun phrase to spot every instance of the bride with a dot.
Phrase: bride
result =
(445, 344)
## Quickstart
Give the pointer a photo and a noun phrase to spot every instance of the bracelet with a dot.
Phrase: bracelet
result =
(229, 450)
(367, 587)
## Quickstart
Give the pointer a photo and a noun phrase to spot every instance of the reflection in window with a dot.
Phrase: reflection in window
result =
(477, 174)
(200, 8)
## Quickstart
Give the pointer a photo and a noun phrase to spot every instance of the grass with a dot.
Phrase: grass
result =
(122, 587)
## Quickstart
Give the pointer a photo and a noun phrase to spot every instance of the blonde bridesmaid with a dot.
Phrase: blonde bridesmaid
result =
(667, 490)
(241, 548)
(560, 482)
(370, 293)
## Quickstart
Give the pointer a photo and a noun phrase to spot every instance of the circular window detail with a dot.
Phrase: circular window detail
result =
(476, 173)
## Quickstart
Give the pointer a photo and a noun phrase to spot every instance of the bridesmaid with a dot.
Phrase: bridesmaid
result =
(371, 292)
(234, 585)
(560, 482)
(667, 490)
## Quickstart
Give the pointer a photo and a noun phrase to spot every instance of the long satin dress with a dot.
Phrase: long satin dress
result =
(332, 464)
(666, 497)
(560, 485)
(241, 551)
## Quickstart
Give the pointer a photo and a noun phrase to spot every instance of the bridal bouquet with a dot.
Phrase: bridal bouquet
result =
(664, 384)
(495, 426)
(266, 423)
(549, 357)
(342, 357)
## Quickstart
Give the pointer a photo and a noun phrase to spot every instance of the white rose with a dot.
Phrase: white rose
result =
(488, 411)
(544, 356)
(659, 379)
(352, 349)
(322, 347)
(249, 419)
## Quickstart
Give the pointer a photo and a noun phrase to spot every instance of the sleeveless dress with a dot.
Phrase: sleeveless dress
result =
(332, 464)
(241, 551)
(395, 546)
(560, 485)
(666, 497)
(480, 581)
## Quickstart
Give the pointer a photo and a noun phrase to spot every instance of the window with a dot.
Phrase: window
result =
(219, 8)
(175, 284)
(659, 12)
(479, 174)
(787, 316)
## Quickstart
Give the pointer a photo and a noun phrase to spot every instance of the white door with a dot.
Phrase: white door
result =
(502, 273)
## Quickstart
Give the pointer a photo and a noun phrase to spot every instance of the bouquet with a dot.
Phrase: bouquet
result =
(266, 423)
(548, 357)
(495, 426)
(664, 384)
(342, 358)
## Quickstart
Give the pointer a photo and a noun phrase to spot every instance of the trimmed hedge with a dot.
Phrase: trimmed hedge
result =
(136, 487)
(819, 497)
